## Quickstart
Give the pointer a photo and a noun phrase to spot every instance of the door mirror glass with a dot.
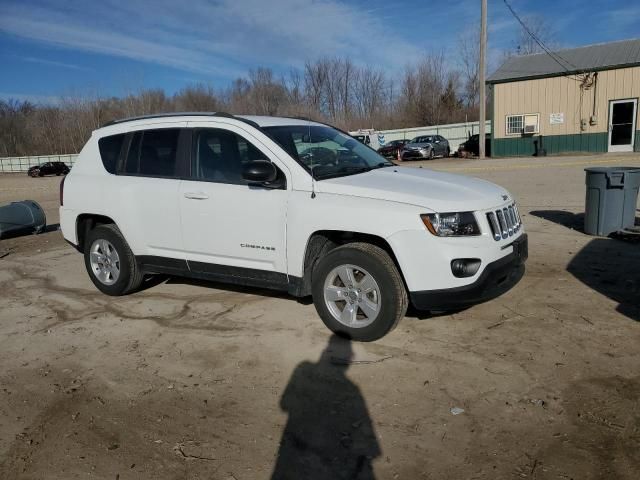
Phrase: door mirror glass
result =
(259, 171)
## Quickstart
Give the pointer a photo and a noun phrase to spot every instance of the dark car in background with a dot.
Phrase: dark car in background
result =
(472, 146)
(391, 149)
(426, 147)
(49, 168)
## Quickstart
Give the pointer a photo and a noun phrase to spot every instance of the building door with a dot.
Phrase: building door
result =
(622, 125)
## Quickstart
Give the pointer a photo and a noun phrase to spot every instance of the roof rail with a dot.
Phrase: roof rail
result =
(181, 114)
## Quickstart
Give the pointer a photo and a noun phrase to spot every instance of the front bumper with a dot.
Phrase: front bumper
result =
(413, 154)
(497, 278)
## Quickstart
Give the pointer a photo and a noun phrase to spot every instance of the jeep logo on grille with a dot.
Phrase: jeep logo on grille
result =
(505, 197)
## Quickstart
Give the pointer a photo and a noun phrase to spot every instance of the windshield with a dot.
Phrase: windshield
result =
(422, 140)
(326, 152)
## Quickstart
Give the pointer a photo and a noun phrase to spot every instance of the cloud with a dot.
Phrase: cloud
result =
(52, 63)
(219, 39)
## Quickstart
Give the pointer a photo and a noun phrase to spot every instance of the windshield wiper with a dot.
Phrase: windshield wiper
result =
(383, 165)
(352, 170)
(343, 172)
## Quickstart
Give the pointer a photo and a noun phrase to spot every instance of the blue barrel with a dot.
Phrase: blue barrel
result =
(21, 217)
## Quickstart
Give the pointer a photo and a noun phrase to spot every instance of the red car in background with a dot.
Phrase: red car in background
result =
(391, 149)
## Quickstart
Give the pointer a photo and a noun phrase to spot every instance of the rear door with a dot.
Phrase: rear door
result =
(232, 228)
(145, 193)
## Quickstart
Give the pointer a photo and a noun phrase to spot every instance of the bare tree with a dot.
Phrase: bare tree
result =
(526, 44)
(469, 54)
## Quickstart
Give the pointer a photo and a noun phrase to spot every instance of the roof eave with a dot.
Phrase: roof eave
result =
(562, 74)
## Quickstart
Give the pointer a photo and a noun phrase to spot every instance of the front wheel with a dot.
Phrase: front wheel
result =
(432, 154)
(358, 292)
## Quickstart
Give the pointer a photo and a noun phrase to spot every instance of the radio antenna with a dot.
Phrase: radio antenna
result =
(313, 178)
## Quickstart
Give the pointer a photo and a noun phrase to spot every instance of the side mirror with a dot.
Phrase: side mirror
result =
(259, 171)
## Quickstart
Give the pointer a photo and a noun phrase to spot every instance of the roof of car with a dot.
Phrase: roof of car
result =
(254, 120)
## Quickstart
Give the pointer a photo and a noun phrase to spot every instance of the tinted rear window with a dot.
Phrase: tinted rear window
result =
(110, 151)
(153, 153)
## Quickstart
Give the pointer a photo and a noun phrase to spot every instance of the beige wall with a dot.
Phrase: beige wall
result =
(562, 95)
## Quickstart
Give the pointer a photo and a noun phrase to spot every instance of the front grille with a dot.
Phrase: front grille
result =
(504, 222)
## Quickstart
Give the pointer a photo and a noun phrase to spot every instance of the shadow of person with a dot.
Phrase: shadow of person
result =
(329, 434)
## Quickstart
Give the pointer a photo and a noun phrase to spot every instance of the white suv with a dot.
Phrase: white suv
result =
(292, 205)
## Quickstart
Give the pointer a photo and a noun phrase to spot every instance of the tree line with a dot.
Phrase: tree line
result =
(334, 90)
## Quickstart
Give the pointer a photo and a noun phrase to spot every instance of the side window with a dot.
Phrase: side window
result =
(153, 153)
(110, 151)
(219, 156)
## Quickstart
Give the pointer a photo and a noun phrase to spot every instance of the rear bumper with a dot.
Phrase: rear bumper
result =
(497, 278)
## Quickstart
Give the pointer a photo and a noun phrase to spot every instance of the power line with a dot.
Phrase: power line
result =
(556, 57)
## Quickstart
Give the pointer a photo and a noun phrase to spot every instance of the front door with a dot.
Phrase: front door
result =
(230, 227)
(622, 125)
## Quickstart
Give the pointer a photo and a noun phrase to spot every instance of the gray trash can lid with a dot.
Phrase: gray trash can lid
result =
(611, 169)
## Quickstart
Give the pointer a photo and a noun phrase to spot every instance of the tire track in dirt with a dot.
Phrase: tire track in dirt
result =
(71, 305)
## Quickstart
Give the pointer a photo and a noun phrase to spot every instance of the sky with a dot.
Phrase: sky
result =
(53, 48)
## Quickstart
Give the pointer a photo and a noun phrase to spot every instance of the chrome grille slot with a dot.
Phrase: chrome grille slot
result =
(504, 222)
(508, 220)
(495, 228)
(514, 221)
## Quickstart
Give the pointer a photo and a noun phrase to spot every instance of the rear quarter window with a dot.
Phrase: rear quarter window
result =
(110, 151)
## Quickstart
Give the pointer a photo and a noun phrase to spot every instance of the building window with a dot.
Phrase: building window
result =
(527, 124)
(515, 124)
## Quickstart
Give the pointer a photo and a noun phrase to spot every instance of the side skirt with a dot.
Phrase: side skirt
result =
(220, 273)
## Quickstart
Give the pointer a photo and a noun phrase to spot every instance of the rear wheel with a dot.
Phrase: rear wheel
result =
(110, 262)
(358, 292)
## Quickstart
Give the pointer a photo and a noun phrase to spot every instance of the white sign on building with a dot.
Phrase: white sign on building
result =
(556, 118)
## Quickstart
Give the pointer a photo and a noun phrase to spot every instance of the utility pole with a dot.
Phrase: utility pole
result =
(481, 73)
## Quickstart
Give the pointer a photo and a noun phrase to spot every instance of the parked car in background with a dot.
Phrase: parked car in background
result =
(49, 168)
(426, 147)
(391, 149)
(369, 137)
(472, 146)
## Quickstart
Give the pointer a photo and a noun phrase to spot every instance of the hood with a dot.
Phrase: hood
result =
(437, 191)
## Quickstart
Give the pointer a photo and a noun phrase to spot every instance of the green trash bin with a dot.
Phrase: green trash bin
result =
(612, 198)
(21, 217)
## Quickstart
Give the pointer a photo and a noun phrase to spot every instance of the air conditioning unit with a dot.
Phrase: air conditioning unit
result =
(531, 124)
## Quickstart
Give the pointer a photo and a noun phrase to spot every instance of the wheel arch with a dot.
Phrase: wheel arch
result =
(86, 222)
(322, 242)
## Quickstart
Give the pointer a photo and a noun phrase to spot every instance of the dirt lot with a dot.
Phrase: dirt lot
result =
(188, 380)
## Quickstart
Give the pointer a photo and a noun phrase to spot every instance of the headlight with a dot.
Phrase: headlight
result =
(455, 224)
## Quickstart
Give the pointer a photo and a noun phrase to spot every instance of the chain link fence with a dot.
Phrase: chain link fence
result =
(22, 164)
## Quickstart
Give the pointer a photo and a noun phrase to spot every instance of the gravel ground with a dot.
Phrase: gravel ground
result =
(191, 380)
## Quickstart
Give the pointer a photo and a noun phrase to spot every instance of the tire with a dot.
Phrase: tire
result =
(447, 153)
(128, 277)
(35, 174)
(432, 154)
(389, 298)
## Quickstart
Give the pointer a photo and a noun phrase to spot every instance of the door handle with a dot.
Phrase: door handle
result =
(196, 195)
